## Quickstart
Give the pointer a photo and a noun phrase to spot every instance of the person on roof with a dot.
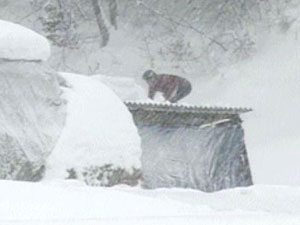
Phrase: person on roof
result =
(172, 87)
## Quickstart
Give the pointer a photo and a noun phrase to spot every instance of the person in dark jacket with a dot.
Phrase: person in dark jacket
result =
(172, 87)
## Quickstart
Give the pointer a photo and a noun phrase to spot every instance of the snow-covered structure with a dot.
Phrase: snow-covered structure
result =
(62, 124)
(99, 143)
(191, 146)
(32, 111)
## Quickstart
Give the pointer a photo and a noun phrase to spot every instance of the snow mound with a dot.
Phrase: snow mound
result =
(20, 43)
(99, 130)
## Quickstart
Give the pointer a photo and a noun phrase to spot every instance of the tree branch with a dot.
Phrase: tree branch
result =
(104, 34)
(186, 25)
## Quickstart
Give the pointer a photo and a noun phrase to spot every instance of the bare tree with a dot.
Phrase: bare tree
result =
(104, 34)
(203, 34)
(113, 13)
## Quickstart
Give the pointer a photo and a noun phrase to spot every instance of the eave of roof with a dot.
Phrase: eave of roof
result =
(183, 108)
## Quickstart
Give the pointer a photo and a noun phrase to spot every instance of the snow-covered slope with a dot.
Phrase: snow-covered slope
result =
(20, 43)
(99, 130)
(69, 203)
(270, 84)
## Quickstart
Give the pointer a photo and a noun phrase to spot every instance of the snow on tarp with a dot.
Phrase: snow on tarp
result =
(191, 146)
(20, 43)
(99, 130)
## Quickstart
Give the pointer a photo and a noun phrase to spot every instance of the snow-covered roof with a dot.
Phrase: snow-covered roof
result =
(20, 43)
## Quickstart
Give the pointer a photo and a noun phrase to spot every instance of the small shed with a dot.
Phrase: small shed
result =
(191, 146)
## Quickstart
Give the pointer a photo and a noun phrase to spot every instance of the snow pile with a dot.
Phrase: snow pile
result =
(269, 83)
(99, 130)
(71, 203)
(20, 43)
(125, 87)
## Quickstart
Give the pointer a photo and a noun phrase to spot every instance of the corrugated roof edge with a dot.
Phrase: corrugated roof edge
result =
(185, 108)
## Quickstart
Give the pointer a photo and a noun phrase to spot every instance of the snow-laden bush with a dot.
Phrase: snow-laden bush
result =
(12, 158)
(107, 175)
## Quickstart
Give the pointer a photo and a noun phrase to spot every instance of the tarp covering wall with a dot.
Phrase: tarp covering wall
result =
(208, 153)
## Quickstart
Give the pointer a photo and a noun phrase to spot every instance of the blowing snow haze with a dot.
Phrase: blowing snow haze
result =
(74, 111)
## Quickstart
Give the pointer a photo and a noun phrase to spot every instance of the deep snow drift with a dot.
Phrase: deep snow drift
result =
(99, 130)
(20, 43)
(71, 203)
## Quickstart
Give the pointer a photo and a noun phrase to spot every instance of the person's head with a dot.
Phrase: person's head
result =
(149, 75)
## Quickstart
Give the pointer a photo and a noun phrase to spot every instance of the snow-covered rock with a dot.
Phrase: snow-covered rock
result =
(20, 43)
(32, 116)
(99, 131)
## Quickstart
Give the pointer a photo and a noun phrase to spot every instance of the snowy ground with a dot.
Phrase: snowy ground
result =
(69, 202)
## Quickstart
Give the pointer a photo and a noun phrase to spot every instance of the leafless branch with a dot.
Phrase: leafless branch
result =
(186, 25)
(104, 34)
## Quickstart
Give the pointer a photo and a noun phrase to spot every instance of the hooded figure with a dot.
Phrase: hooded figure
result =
(172, 87)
